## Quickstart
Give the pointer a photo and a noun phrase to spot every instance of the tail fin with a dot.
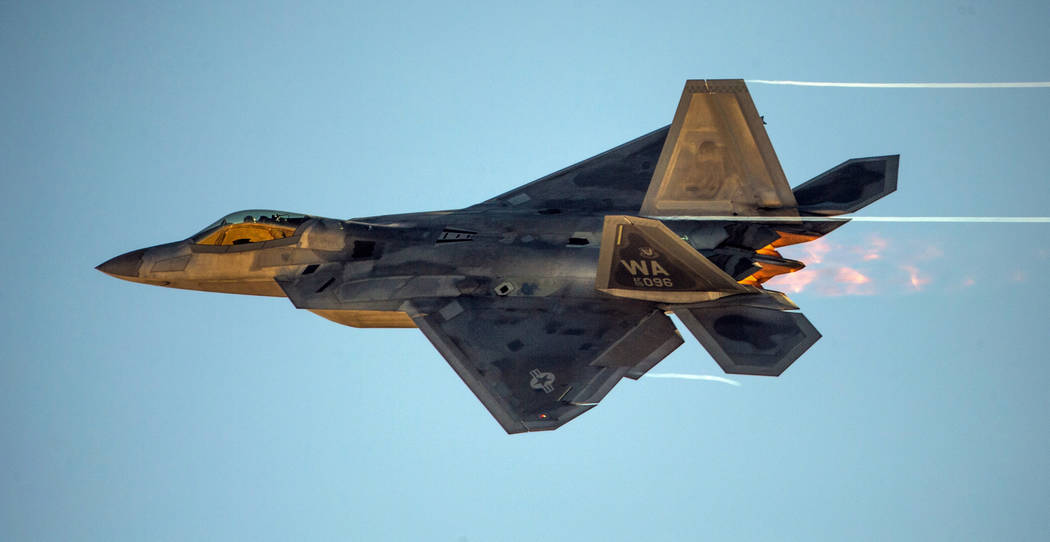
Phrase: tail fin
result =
(641, 258)
(717, 158)
(849, 186)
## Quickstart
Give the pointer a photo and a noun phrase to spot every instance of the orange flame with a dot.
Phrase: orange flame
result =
(865, 268)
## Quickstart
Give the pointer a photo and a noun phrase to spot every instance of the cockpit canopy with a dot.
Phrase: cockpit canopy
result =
(252, 226)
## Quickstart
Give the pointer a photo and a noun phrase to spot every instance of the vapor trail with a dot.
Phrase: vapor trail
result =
(966, 219)
(686, 376)
(1027, 84)
(954, 219)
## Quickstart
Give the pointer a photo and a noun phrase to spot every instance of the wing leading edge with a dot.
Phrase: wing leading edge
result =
(616, 179)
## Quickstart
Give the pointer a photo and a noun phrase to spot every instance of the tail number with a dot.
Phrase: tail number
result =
(646, 274)
(649, 282)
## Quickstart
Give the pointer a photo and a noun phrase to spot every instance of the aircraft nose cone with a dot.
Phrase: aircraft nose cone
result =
(125, 265)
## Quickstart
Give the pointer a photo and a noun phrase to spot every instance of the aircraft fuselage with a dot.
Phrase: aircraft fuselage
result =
(380, 263)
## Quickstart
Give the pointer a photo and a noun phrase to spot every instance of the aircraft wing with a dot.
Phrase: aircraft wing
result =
(616, 179)
(536, 363)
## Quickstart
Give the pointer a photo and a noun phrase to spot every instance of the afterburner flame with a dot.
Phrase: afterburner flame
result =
(816, 251)
(879, 264)
(796, 282)
(848, 275)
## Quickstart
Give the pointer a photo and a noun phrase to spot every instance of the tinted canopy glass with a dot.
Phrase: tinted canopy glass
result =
(250, 226)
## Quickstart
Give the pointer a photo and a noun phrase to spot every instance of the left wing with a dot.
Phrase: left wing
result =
(537, 363)
(616, 179)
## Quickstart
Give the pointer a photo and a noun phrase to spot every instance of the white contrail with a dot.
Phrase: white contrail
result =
(955, 219)
(968, 219)
(1024, 84)
(686, 376)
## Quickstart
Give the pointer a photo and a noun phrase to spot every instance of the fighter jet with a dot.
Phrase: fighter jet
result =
(543, 298)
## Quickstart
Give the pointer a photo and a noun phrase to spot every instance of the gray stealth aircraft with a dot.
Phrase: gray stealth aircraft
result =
(543, 298)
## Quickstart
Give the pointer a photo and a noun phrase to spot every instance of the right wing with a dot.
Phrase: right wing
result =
(718, 159)
(536, 363)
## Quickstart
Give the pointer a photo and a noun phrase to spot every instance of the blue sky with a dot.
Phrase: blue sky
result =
(136, 413)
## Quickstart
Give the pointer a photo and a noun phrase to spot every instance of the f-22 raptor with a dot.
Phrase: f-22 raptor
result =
(543, 298)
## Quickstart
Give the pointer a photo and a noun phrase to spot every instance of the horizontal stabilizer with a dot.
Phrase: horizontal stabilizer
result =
(750, 340)
(849, 186)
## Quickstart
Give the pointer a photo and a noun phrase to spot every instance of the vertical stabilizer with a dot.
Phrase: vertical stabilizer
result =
(717, 158)
(641, 258)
